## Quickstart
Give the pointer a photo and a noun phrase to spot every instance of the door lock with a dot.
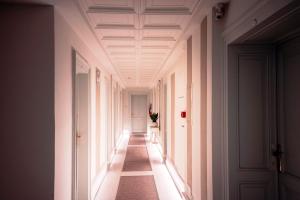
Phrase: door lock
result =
(278, 154)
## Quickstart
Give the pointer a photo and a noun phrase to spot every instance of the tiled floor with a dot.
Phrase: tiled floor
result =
(164, 184)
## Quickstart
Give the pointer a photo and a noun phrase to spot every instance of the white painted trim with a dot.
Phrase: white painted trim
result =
(259, 12)
(168, 11)
(136, 92)
(210, 189)
(75, 57)
(111, 10)
(180, 184)
(98, 180)
(90, 130)
(178, 181)
(113, 153)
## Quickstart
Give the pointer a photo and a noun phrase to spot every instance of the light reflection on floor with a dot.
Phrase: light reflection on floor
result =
(164, 183)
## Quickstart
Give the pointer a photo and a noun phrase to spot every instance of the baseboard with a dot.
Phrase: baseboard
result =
(186, 196)
(182, 187)
(115, 150)
(98, 180)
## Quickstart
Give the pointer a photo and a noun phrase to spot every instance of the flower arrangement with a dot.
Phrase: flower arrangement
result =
(153, 116)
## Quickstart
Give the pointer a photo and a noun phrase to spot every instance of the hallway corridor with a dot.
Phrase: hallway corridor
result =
(150, 99)
(137, 172)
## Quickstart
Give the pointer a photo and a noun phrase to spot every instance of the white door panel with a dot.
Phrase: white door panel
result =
(252, 173)
(82, 111)
(288, 120)
(139, 113)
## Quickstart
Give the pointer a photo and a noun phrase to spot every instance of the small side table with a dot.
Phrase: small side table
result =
(154, 132)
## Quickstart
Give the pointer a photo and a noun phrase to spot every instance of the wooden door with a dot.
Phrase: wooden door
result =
(289, 119)
(252, 168)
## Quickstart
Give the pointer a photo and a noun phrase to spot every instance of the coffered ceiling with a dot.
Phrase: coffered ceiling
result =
(138, 35)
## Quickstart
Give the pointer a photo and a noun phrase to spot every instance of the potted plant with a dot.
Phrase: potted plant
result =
(153, 116)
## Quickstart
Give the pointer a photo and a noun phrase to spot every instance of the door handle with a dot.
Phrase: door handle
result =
(277, 153)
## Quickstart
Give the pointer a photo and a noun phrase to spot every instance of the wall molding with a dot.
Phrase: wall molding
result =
(168, 11)
(111, 10)
(115, 26)
(255, 16)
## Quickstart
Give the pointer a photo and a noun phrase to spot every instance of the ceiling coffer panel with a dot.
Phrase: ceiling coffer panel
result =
(111, 3)
(138, 35)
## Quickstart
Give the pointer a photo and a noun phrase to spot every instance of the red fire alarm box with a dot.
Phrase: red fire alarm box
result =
(183, 114)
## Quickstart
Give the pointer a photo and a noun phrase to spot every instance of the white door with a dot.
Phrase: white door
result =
(264, 161)
(81, 112)
(252, 168)
(139, 113)
(288, 147)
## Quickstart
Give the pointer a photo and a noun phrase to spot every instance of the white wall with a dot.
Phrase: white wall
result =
(179, 69)
(238, 20)
(196, 158)
(65, 40)
(180, 123)
(36, 50)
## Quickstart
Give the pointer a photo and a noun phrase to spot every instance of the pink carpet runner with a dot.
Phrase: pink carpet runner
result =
(137, 140)
(137, 159)
(137, 188)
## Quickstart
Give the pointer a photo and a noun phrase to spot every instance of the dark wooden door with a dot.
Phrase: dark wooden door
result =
(288, 74)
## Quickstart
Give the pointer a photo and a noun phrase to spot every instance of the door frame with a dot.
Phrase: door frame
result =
(147, 103)
(75, 55)
(218, 43)
(136, 92)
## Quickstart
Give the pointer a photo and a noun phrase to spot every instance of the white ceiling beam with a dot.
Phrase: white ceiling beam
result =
(126, 38)
(152, 53)
(132, 27)
(162, 27)
(111, 10)
(120, 46)
(155, 47)
(122, 53)
(158, 39)
(115, 26)
(168, 11)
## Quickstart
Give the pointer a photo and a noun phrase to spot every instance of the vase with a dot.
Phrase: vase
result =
(154, 124)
